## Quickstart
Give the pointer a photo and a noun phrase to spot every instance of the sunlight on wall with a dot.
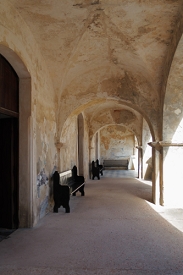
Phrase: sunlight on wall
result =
(147, 162)
(133, 160)
(173, 178)
(178, 135)
(173, 175)
(147, 182)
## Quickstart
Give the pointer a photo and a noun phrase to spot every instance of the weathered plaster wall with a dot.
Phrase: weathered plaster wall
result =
(116, 142)
(173, 113)
(69, 148)
(124, 117)
(106, 49)
(147, 151)
(15, 34)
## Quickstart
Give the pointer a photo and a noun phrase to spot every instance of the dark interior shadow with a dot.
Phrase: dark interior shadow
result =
(5, 233)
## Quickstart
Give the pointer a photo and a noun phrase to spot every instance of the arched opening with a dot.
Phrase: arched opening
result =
(9, 124)
(172, 146)
(22, 135)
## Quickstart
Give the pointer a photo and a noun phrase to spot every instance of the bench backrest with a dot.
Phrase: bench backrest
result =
(115, 162)
(64, 176)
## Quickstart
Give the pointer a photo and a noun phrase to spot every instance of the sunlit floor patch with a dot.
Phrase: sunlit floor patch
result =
(173, 215)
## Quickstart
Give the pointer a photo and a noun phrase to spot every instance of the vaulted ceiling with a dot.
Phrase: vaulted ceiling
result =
(120, 48)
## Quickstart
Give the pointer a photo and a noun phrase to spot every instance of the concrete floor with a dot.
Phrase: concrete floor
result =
(112, 230)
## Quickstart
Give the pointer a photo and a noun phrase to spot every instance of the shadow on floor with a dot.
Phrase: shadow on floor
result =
(5, 233)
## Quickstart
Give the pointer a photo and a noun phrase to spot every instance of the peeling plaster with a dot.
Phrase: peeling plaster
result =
(116, 142)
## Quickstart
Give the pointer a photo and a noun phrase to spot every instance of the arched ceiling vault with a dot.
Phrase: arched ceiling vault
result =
(100, 49)
(100, 113)
(112, 113)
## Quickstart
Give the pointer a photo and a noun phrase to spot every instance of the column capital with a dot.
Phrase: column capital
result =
(169, 143)
(158, 145)
(139, 147)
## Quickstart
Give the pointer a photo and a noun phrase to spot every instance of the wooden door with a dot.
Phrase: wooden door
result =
(9, 112)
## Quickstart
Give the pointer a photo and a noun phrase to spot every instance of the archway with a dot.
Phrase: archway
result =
(25, 137)
(172, 146)
(9, 124)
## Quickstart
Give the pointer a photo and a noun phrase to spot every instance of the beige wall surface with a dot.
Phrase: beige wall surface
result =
(116, 142)
(19, 47)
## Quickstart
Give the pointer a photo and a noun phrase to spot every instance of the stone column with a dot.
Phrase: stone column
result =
(140, 162)
(156, 172)
(80, 165)
(96, 146)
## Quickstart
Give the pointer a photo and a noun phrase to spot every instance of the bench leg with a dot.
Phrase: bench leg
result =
(55, 209)
(67, 209)
(81, 190)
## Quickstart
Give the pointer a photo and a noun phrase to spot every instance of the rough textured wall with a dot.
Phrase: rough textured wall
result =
(69, 146)
(147, 151)
(173, 113)
(69, 140)
(116, 142)
(15, 35)
(123, 117)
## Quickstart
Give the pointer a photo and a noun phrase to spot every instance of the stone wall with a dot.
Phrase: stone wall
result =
(116, 142)
(38, 126)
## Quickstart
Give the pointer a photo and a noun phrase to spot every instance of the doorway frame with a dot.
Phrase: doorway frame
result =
(25, 138)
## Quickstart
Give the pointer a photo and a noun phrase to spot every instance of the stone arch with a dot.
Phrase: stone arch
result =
(172, 111)
(95, 103)
(25, 137)
(114, 116)
(124, 129)
(172, 144)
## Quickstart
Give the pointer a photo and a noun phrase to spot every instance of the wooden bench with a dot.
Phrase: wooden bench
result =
(96, 169)
(101, 167)
(65, 184)
(116, 163)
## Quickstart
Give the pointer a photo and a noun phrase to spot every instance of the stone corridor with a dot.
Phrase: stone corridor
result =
(112, 230)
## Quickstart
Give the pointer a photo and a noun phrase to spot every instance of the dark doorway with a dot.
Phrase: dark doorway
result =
(9, 145)
(9, 173)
